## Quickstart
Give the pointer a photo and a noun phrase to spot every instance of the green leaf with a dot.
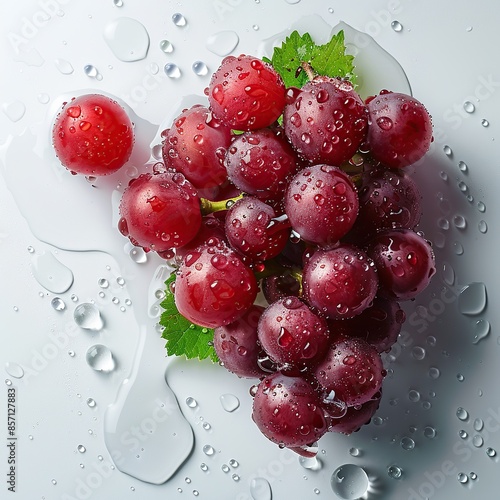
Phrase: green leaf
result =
(329, 59)
(183, 337)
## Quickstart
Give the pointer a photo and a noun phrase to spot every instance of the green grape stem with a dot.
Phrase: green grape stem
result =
(209, 207)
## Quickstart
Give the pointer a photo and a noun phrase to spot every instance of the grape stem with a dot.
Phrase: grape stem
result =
(307, 68)
(209, 207)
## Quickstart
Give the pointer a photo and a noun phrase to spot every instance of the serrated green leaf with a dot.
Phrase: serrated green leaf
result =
(329, 59)
(183, 337)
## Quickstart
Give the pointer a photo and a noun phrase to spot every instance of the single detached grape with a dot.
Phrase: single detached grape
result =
(355, 417)
(325, 121)
(213, 287)
(340, 282)
(93, 135)
(405, 262)
(322, 204)
(288, 411)
(353, 370)
(400, 129)
(236, 345)
(379, 324)
(196, 145)
(291, 334)
(250, 230)
(388, 199)
(246, 93)
(160, 211)
(261, 163)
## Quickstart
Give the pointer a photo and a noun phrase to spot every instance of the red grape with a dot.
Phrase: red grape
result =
(160, 211)
(246, 93)
(196, 146)
(291, 334)
(261, 162)
(213, 287)
(249, 229)
(355, 417)
(405, 262)
(288, 410)
(325, 121)
(322, 204)
(340, 282)
(236, 345)
(400, 129)
(93, 135)
(353, 369)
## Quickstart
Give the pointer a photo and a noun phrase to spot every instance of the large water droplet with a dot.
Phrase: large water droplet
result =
(223, 42)
(429, 432)
(172, 70)
(88, 316)
(64, 66)
(58, 304)
(407, 443)
(51, 273)
(14, 370)
(209, 450)
(14, 110)
(482, 329)
(462, 414)
(127, 38)
(179, 20)
(200, 68)
(482, 226)
(477, 441)
(462, 478)
(260, 489)
(472, 299)
(100, 358)
(229, 402)
(349, 482)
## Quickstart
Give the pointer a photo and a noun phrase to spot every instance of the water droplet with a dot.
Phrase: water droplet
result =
(469, 107)
(462, 434)
(458, 248)
(482, 330)
(460, 377)
(204, 467)
(88, 317)
(166, 47)
(81, 448)
(473, 476)
(394, 472)
(462, 414)
(418, 353)
(71, 354)
(100, 358)
(310, 463)
(447, 150)
(118, 3)
(472, 299)
(14, 110)
(172, 70)
(91, 403)
(485, 123)
(481, 206)
(191, 402)
(462, 478)
(396, 26)
(482, 226)
(64, 66)
(414, 396)
(434, 372)
(200, 68)
(92, 72)
(235, 477)
(74, 298)
(462, 166)
(478, 424)
(52, 274)
(58, 304)
(477, 441)
(223, 42)
(491, 452)
(206, 426)
(260, 489)
(229, 402)
(179, 20)
(14, 370)
(255, 27)
(138, 255)
(208, 450)
(407, 443)
(225, 468)
(429, 432)
(120, 281)
(234, 463)
(127, 38)
(349, 482)
(355, 452)
(459, 222)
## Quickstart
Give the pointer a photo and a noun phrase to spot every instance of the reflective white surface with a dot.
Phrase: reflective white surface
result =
(50, 222)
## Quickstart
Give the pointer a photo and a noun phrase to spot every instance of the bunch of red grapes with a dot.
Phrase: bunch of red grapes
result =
(302, 194)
